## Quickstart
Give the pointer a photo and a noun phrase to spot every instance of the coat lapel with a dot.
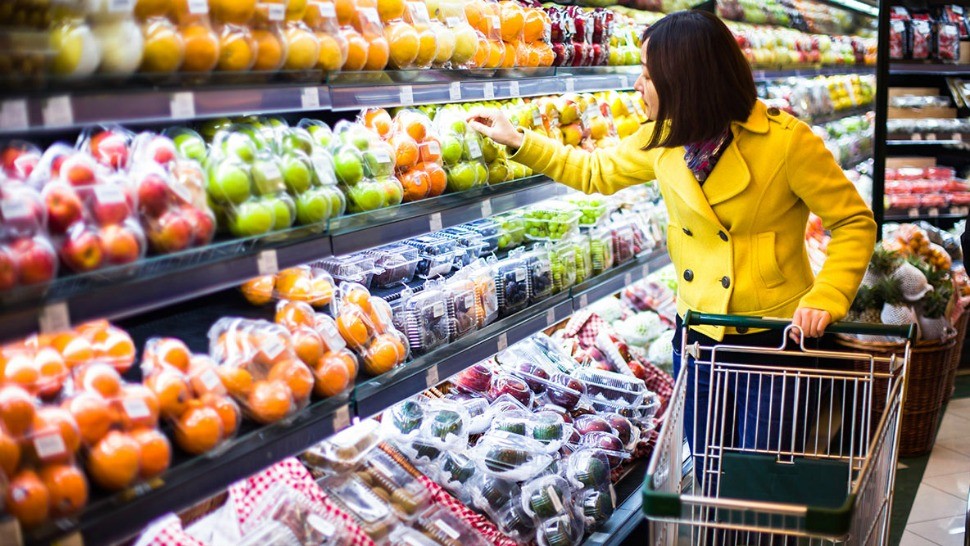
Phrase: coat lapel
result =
(683, 183)
(729, 177)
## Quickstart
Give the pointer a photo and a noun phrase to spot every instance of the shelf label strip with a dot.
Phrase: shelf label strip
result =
(54, 318)
(13, 115)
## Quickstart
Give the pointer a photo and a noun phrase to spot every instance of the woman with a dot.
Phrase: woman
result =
(738, 180)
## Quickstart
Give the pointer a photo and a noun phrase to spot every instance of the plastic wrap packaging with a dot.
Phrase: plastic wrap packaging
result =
(424, 318)
(365, 323)
(461, 151)
(345, 450)
(305, 522)
(27, 254)
(308, 284)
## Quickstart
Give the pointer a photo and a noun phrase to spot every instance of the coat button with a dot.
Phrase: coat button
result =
(742, 329)
(722, 235)
(688, 232)
(774, 111)
(688, 275)
(725, 282)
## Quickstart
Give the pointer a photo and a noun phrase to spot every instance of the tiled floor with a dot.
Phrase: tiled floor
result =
(939, 510)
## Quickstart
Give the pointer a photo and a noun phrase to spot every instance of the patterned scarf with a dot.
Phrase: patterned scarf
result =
(701, 157)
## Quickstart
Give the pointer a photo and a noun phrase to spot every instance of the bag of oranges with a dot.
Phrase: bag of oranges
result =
(318, 345)
(306, 284)
(365, 324)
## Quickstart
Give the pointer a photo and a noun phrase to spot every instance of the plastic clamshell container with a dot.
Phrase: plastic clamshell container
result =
(611, 386)
(447, 529)
(597, 506)
(309, 523)
(384, 476)
(345, 449)
(425, 320)
(607, 443)
(446, 424)
(393, 264)
(515, 523)
(471, 244)
(270, 532)
(506, 384)
(436, 255)
(540, 274)
(546, 497)
(456, 471)
(490, 230)
(512, 230)
(562, 258)
(356, 268)
(477, 378)
(601, 249)
(592, 209)
(494, 495)
(624, 428)
(403, 420)
(512, 285)
(406, 536)
(551, 223)
(510, 456)
(563, 530)
(588, 468)
(369, 511)
(464, 312)
(624, 242)
(558, 388)
(480, 418)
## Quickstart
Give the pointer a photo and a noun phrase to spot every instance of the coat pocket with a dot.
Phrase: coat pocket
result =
(767, 260)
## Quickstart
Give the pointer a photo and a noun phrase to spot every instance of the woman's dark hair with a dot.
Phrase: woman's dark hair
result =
(702, 79)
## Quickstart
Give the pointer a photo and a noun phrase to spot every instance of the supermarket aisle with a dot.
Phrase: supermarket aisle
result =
(940, 505)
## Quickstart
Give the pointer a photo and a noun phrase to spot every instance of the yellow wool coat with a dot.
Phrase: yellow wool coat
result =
(738, 240)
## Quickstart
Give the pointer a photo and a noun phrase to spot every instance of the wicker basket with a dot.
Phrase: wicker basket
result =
(926, 387)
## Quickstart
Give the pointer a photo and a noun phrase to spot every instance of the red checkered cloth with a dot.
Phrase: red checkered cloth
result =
(247, 493)
(167, 531)
(660, 383)
(584, 326)
(477, 521)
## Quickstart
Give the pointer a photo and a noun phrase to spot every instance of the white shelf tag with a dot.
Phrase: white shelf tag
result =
(624, 82)
(58, 112)
(341, 418)
(628, 279)
(912, 213)
(583, 300)
(550, 317)
(13, 115)
(198, 7)
(407, 95)
(266, 263)
(434, 222)
(486, 208)
(310, 98)
(120, 6)
(431, 377)
(957, 137)
(54, 318)
(930, 136)
(489, 91)
(182, 105)
(645, 270)
(454, 91)
(513, 89)
(277, 12)
(570, 85)
(503, 342)
(934, 212)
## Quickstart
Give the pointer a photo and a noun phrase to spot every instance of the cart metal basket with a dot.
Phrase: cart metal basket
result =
(819, 471)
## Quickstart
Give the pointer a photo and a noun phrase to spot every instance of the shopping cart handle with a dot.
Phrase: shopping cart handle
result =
(693, 318)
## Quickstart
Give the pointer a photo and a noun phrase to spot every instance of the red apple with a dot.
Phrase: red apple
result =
(35, 259)
(110, 148)
(120, 244)
(172, 232)
(162, 150)
(203, 225)
(63, 207)
(152, 194)
(8, 270)
(19, 162)
(110, 205)
(78, 169)
(82, 251)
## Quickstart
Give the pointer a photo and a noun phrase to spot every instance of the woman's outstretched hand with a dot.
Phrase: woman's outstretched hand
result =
(493, 124)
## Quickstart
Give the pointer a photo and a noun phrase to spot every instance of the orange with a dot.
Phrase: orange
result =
(294, 284)
(357, 48)
(270, 401)
(346, 11)
(16, 409)
(475, 13)
(102, 379)
(351, 326)
(51, 420)
(259, 290)
(427, 48)
(481, 54)
(415, 127)
(113, 462)
(270, 50)
(9, 454)
(201, 48)
(95, 330)
(333, 52)
(302, 47)
(92, 414)
(238, 381)
(360, 297)
(496, 54)
(308, 345)
(53, 371)
(521, 55)
(377, 54)
(377, 119)
(232, 11)
(228, 412)
(533, 26)
(28, 499)
(405, 151)
(172, 391)
(68, 488)
(20, 370)
(416, 185)
(383, 355)
(172, 352)
(331, 376)
(294, 314)
(390, 9)
(204, 376)
(117, 348)
(546, 55)
(137, 407)
(164, 49)
(512, 18)
(152, 8)
(297, 376)
(154, 452)
(198, 430)
(437, 178)
(350, 362)
(237, 49)
(321, 289)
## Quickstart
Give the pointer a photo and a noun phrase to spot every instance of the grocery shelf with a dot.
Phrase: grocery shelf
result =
(928, 69)
(864, 7)
(124, 291)
(923, 216)
(184, 99)
(927, 142)
(822, 119)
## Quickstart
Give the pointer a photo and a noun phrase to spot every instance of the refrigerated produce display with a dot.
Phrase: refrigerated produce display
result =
(261, 282)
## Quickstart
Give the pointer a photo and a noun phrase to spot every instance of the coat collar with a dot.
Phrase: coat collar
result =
(757, 122)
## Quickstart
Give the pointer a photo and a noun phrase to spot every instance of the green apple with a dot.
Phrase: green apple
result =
(209, 128)
(313, 207)
(297, 173)
(459, 127)
(359, 138)
(251, 218)
(490, 150)
(364, 197)
(267, 176)
(498, 172)
(284, 210)
(378, 162)
(348, 165)
(228, 182)
(451, 149)
(481, 174)
(297, 139)
(190, 145)
(463, 177)
(393, 191)
(321, 134)
(239, 145)
(338, 203)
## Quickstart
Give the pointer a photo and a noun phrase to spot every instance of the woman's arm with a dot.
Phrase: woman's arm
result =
(603, 171)
(818, 180)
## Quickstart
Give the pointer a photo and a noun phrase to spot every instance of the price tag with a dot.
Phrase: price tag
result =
(513, 89)
(913, 213)
(369, 15)
(489, 90)
(57, 112)
(496, 23)
(120, 6)
(310, 98)
(447, 529)
(331, 336)
(273, 347)
(407, 95)
(474, 149)
(210, 380)
(13, 115)
(502, 343)
(434, 221)
(201, 7)
(934, 212)
(108, 194)
(571, 26)
(266, 263)
(469, 301)
(624, 82)
(381, 155)
(182, 105)
(431, 377)
(54, 318)
(546, 30)
(550, 317)
(957, 137)
(486, 208)
(570, 85)
(14, 209)
(554, 497)
(452, 22)
(419, 13)
(321, 525)
(645, 270)
(49, 446)
(583, 300)
(612, 495)
(454, 91)
(916, 136)
(341, 418)
(536, 118)
(277, 12)
(136, 408)
(520, 275)
(627, 279)
(438, 310)
(930, 136)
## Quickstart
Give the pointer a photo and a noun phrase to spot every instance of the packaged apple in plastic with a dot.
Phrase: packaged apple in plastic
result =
(461, 150)
(231, 191)
(425, 318)
(27, 255)
(189, 144)
(190, 395)
(416, 14)
(76, 51)
(18, 159)
(172, 204)
(308, 522)
(455, 29)
(321, 17)
(260, 368)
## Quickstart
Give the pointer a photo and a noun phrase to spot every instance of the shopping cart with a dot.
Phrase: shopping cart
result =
(819, 471)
